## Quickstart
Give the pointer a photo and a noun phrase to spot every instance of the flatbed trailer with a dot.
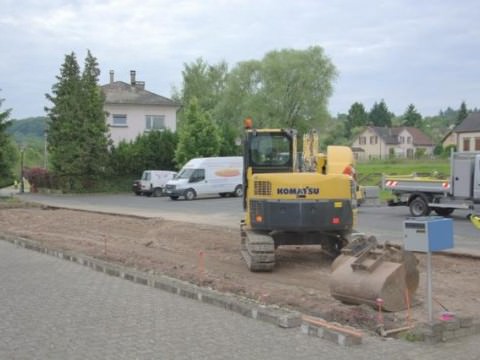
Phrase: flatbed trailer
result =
(424, 194)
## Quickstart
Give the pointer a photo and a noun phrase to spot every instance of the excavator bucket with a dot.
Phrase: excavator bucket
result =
(365, 273)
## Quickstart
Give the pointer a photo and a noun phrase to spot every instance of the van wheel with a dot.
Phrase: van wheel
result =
(174, 197)
(157, 192)
(190, 194)
(238, 191)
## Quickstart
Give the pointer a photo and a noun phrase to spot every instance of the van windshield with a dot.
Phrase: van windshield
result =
(146, 175)
(185, 173)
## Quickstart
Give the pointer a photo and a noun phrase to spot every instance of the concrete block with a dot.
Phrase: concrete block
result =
(188, 293)
(433, 339)
(349, 340)
(290, 320)
(112, 272)
(451, 324)
(466, 321)
(165, 286)
(215, 299)
(128, 276)
(242, 308)
(141, 280)
(267, 315)
(98, 268)
(330, 335)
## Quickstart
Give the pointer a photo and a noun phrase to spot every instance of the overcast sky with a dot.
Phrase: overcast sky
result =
(421, 52)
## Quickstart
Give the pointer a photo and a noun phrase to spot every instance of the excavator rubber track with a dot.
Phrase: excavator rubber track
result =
(258, 250)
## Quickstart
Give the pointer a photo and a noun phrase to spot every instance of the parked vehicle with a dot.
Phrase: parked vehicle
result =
(137, 187)
(424, 194)
(153, 182)
(208, 176)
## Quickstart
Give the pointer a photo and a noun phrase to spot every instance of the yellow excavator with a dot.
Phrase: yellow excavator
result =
(313, 202)
(285, 206)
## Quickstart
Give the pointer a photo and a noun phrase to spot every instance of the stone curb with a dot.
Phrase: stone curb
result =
(271, 314)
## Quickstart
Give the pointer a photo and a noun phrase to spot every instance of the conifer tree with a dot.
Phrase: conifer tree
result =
(94, 134)
(77, 128)
(7, 151)
(65, 119)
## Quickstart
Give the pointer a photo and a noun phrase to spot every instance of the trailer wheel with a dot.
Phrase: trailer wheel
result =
(419, 207)
(443, 211)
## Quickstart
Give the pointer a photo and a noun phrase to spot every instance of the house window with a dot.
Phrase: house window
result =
(154, 122)
(466, 144)
(362, 140)
(409, 139)
(477, 144)
(119, 120)
(401, 140)
(373, 140)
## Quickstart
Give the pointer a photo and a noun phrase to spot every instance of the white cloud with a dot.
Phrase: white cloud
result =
(394, 50)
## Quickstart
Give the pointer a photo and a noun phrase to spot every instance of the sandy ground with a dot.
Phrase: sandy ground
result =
(210, 256)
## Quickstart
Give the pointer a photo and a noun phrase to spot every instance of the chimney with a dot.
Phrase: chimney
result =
(132, 77)
(111, 76)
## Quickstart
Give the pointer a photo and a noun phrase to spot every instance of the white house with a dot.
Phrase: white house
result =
(381, 142)
(132, 110)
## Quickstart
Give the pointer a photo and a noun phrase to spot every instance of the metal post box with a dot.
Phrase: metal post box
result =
(428, 233)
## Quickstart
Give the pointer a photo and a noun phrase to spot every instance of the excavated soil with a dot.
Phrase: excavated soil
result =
(210, 256)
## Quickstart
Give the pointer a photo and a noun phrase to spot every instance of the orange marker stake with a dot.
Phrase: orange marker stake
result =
(201, 264)
(379, 302)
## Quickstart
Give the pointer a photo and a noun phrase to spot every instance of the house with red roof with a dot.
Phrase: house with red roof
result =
(376, 142)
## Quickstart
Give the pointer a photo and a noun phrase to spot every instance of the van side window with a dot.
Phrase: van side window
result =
(198, 175)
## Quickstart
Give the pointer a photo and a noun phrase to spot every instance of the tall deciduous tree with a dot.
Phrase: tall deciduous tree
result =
(7, 149)
(198, 136)
(379, 115)
(207, 83)
(287, 88)
(412, 117)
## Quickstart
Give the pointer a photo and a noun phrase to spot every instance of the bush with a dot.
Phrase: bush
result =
(39, 178)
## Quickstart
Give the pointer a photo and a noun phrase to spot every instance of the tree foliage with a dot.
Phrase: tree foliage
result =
(287, 88)
(462, 113)
(77, 129)
(380, 115)
(154, 150)
(198, 137)
(357, 116)
(7, 149)
(412, 117)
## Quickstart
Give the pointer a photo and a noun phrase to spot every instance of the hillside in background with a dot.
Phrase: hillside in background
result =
(27, 130)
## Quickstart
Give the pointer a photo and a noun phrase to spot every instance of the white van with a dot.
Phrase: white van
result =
(153, 181)
(208, 176)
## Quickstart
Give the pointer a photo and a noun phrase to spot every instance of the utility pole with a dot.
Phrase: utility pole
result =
(22, 185)
(45, 154)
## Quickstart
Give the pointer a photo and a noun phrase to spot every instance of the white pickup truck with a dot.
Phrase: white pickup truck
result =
(424, 194)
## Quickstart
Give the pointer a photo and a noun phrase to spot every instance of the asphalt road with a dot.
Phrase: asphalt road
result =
(386, 223)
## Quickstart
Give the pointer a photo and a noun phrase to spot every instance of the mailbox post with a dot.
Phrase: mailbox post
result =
(427, 234)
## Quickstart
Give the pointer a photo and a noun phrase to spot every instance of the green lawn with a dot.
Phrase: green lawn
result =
(370, 173)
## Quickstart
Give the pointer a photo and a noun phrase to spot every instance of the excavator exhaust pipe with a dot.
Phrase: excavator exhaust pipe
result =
(365, 273)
